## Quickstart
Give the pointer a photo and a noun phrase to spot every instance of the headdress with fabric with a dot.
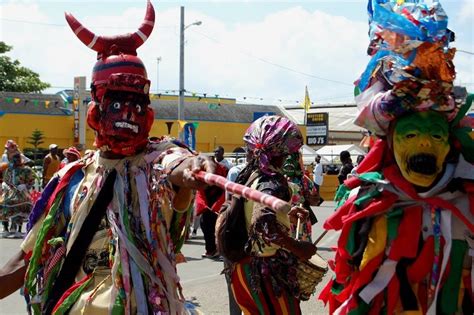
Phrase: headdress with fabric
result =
(404, 246)
(73, 151)
(119, 71)
(10, 145)
(272, 136)
(410, 70)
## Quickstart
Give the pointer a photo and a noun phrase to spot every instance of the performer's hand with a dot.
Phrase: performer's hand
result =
(304, 250)
(298, 212)
(183, 176)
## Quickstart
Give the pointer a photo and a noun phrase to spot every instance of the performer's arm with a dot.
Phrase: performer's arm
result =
(266, 224)
(12, 274)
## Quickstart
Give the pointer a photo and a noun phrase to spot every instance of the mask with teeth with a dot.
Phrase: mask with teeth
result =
(420, 146)
(122, 122)
(119, 112)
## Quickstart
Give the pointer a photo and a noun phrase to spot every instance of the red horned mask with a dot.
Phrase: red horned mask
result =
(120, 111)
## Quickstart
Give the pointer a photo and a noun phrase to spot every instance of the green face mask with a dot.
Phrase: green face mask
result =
(420, 145)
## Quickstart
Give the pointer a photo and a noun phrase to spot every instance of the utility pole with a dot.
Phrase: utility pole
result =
(182, 28)
(157, 73)
(181, 68)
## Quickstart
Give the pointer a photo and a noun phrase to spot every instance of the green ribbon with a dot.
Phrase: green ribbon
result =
(34, 264)
(393, 221)
(450, 290)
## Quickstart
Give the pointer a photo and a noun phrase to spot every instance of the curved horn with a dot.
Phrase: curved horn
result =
(89, 39)
(146, 28)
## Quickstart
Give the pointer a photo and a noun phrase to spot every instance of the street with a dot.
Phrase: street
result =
(203, 285)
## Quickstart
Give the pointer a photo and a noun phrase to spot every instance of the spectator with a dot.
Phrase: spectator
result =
(18, 179)
(235, 170)
(219, 157)
(50, 163)
(71, 154)
(207, 205)
(359, 159)
(11, 148)
(347, 166)
(318, 177)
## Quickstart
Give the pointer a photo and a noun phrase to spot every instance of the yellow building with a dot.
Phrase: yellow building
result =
(220, 120)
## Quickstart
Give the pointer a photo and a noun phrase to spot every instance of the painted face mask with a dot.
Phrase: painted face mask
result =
(119, 112)
(292, 167)
(420, 145)
(123, 119)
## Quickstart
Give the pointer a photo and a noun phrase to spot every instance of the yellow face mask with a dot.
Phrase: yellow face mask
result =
(420, 145)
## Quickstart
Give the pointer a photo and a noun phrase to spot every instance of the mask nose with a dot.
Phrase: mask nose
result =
(129, 111)
(425, 142)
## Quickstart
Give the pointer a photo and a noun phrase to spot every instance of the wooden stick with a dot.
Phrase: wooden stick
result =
(298, 228)
(320, 237)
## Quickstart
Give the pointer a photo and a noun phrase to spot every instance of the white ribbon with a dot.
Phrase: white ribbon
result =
(380, 281)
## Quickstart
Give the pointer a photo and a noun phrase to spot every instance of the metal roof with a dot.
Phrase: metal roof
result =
(340, 118)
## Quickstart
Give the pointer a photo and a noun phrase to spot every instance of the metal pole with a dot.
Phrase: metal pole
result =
(181, 68)
(157, 73)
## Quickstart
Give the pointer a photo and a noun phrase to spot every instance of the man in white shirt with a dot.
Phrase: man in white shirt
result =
(318, 176)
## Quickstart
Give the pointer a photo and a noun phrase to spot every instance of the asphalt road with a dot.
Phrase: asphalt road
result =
(202, 282)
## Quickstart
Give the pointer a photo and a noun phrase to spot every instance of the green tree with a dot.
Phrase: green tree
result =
(36, 139)
(16, 78)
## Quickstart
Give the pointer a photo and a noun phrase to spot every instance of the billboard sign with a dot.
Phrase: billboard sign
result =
(317, 125)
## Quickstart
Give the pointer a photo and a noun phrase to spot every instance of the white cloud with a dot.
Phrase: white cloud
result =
(466, 13)
(233, 60)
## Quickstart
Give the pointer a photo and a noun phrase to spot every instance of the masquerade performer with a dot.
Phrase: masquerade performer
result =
(265, 282)
(104, 234)
(408, 218)
(15, 199)
(11, 148)
(51, 163)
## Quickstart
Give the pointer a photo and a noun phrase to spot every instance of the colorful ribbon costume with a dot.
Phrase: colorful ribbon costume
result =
(407, 217)
(114, 206)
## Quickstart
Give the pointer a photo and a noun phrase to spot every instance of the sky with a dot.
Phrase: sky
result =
(256, 51)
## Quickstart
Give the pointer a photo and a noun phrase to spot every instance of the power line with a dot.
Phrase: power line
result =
(276, 64)
(465, 51)
(63, 25)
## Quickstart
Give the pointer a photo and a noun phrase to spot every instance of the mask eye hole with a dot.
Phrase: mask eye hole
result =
(436, 137)
(138, 108)
(410, 136)
(116, 106)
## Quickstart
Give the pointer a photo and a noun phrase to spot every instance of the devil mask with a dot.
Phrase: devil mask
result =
(119, 112)
(420, 145)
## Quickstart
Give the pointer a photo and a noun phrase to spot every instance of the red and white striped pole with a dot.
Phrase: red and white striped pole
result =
(244, 191)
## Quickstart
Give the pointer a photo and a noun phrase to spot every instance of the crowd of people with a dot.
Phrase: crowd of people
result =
(107, 232)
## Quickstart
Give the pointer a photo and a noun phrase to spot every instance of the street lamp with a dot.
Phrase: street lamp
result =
(157, 73)
(181, 64)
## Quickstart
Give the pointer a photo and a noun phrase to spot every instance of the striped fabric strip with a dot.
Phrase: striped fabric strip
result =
(263, 302)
